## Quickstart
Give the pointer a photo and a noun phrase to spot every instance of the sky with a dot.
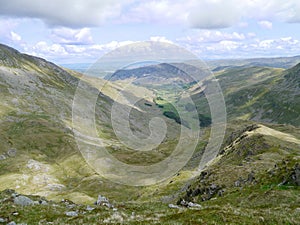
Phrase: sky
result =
(81, 31)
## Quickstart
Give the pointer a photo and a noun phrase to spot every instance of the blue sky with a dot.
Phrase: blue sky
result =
(80, 31)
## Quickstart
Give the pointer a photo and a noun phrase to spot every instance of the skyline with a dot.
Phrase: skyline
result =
(82, 31)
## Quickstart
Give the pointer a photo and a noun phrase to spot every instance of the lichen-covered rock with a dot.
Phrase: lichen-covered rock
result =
(23, 201)
(12, 152)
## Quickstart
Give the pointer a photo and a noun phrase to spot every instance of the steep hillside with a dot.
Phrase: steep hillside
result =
(36, 136)
(39, 153)
(273, 100)
(257, 175)
(258, 94)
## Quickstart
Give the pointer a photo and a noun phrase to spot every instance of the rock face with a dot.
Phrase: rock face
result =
(23, 201)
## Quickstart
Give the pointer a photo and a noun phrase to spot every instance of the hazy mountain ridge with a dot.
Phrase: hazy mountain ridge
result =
(220, 64)
(163, 73)
(279, 62)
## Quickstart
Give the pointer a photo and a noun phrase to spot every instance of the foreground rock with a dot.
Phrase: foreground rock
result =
(103, 201)
(189, 204)
(23, 201)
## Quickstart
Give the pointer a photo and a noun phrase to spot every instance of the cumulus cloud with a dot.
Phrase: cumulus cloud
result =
(15, 37)
(217, 44)
(210, 36)
(204, 14)
(109, 46)
(72, 36)
(70, 13)
(43, 47)
(63, 53)
(212, 14)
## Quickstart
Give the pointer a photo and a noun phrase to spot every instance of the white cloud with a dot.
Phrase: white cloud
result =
(109, 46)
(77, 53)
(266, 24)
(266, 44)
(287, 43)
(229, 46)
(213, 14)
(15, 37)
(232, 47)
(210, 36)
(204, 14)
(70, 13)
(60, 52)
(160, 39)
(43, 48)
(72, 36)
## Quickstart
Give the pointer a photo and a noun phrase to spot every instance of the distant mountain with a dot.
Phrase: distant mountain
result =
(279, 62)
(159, 74)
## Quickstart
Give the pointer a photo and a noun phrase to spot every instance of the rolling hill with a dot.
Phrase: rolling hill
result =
(255, 178)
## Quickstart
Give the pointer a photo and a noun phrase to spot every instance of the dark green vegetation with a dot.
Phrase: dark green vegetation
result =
(254, 180)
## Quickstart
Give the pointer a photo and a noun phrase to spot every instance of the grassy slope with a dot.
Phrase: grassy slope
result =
(35, 120)
(260, 200)
(43, 134)
(259, 94)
